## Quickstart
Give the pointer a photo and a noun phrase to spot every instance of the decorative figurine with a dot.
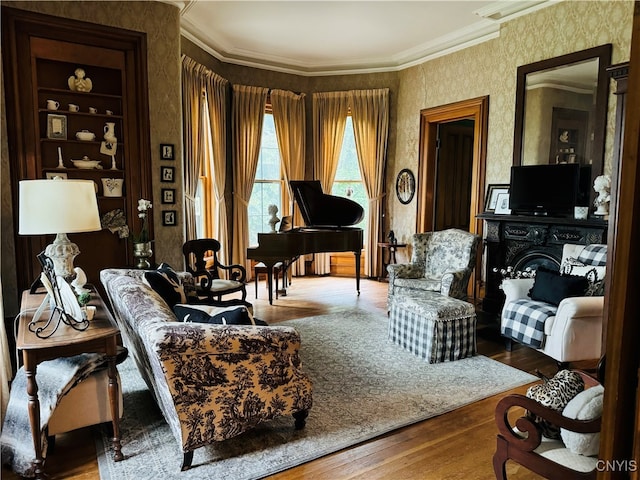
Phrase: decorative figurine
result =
(602, 185)
(392, 237)
(273, 210)
(79, 83)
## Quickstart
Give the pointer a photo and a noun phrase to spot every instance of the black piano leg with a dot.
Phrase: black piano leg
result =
(357, 254)
(270, 283)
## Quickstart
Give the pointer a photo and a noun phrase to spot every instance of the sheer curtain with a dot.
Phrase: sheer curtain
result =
(247, 112)
(330, 110)
(370, 117)
(6, 371)
(289, 117)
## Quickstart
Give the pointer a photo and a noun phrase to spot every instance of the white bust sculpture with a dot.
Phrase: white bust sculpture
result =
(602, 185)
(273, 219)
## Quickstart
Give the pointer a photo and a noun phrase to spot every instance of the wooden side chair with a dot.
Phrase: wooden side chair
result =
(523, 442)
(201, 261)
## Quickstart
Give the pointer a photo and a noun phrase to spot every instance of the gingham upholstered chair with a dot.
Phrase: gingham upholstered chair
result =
(441, 262)
(570, 330)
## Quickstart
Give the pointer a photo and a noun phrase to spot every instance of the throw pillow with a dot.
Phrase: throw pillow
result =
(593, 274)
(552, 287)
(594, 254)
(555, 393)
(229, 315)
(587, 405)
(166, 283)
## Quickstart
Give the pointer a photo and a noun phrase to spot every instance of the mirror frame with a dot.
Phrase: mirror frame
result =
(603, 54)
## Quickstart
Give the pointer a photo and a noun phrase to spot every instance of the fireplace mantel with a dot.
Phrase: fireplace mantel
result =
(521, 241)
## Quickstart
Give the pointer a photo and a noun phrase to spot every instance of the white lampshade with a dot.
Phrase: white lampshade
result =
(58, 206)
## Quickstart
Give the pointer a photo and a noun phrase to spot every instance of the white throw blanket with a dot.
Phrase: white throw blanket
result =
(55, 378)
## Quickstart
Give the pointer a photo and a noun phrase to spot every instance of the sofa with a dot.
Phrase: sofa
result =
(211, 382)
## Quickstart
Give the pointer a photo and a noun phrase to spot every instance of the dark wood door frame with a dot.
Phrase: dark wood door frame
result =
(476, 109)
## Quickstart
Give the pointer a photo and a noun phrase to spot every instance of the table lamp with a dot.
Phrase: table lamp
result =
(58, 207)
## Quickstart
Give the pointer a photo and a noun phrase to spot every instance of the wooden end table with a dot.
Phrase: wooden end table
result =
(391, 248)
(100, 337)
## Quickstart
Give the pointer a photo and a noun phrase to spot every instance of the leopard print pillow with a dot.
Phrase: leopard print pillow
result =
(555, 393)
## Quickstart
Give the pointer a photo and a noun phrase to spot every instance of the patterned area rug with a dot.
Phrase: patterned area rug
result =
(364, 386)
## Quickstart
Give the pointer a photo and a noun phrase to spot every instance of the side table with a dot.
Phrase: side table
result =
(389, 251)
(100, 337)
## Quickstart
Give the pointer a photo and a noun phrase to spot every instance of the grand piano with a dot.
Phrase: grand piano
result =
(328, 221)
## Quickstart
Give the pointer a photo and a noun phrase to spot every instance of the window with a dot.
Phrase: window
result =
(348, 180)
(205, 202)
(267, 188)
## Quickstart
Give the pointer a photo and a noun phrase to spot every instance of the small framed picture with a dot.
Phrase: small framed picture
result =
(168, 218)
(168, 195)
(166, 151)
(502, 204)
(167, 174)
(52, 175)
(493, 191)
(56, 126)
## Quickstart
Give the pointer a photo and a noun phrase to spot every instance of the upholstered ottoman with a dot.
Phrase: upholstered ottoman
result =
(433, 326)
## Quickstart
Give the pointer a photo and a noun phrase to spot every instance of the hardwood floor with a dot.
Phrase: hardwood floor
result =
(456, 445)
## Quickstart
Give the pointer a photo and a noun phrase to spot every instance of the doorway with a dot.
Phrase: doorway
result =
(473, 114)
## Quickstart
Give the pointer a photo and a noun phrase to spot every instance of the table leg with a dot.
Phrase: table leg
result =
(34, 418)
(357, 254)
(114, 404)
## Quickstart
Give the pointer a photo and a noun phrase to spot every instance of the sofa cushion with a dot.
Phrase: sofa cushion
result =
(228, 315)
(164, 280)
(587, 405)
(594, 254)
(594, 275)
(552, 287)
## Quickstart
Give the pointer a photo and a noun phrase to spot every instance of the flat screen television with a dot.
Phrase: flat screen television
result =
(544, 189)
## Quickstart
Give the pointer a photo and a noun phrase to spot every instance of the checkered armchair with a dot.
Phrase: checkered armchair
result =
(570, 331)
(440, 262)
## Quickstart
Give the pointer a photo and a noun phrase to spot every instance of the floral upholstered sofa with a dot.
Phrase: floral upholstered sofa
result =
(211, 382)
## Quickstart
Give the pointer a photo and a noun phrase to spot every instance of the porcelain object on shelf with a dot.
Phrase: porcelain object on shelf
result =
(52, 105)
(112, 187)
(86, 162)
(109, 132)
(85, 135)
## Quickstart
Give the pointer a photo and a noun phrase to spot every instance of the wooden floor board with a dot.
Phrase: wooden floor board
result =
(456, 445)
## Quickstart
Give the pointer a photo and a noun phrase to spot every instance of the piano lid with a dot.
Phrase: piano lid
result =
(322, 210)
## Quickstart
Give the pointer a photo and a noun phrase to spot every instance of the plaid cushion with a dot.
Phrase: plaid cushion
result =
(524, 321)
(594, 254)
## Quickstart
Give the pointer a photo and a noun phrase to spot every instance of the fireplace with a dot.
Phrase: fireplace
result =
(522, 241)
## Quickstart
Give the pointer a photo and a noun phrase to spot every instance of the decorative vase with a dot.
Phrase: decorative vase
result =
(109, 132)
(112, 187)
(142, 251)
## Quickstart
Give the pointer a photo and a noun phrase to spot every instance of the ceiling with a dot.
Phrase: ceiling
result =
(341, 37)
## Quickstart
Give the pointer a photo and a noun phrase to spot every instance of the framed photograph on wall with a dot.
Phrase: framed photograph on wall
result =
(166, 151)
(493, 191)
(167, 174)
(502, 204)
(169, 218)
(168, 195)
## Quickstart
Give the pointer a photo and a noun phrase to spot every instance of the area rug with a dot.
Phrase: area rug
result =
(364, 386)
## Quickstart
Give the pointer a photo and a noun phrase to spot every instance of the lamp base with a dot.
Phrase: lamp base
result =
(62, 252)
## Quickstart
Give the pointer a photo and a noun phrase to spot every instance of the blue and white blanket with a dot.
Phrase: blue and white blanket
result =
(524, 321)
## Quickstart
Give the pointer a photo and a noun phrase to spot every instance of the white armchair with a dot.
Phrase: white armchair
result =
(570, 331)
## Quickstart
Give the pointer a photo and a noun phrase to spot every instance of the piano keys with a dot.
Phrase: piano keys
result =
(328, 228)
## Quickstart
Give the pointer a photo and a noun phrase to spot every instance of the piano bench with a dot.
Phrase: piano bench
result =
(261, 269)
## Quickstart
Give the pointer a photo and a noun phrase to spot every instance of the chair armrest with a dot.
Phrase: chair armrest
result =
(404, 270)
(236, 272)
(515, 288)
(580, 307)
(454, 283)
(529, 436)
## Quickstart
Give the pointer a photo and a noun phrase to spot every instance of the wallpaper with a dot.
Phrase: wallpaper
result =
(490, 69)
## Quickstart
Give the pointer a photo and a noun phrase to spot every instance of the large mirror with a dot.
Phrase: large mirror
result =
(561, 110)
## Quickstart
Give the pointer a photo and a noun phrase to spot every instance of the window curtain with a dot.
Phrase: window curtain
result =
(216, 89)
(370, 117)
(193, 140)
(289, 117)
(6, 371)
(330, 110)
(247, 112)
